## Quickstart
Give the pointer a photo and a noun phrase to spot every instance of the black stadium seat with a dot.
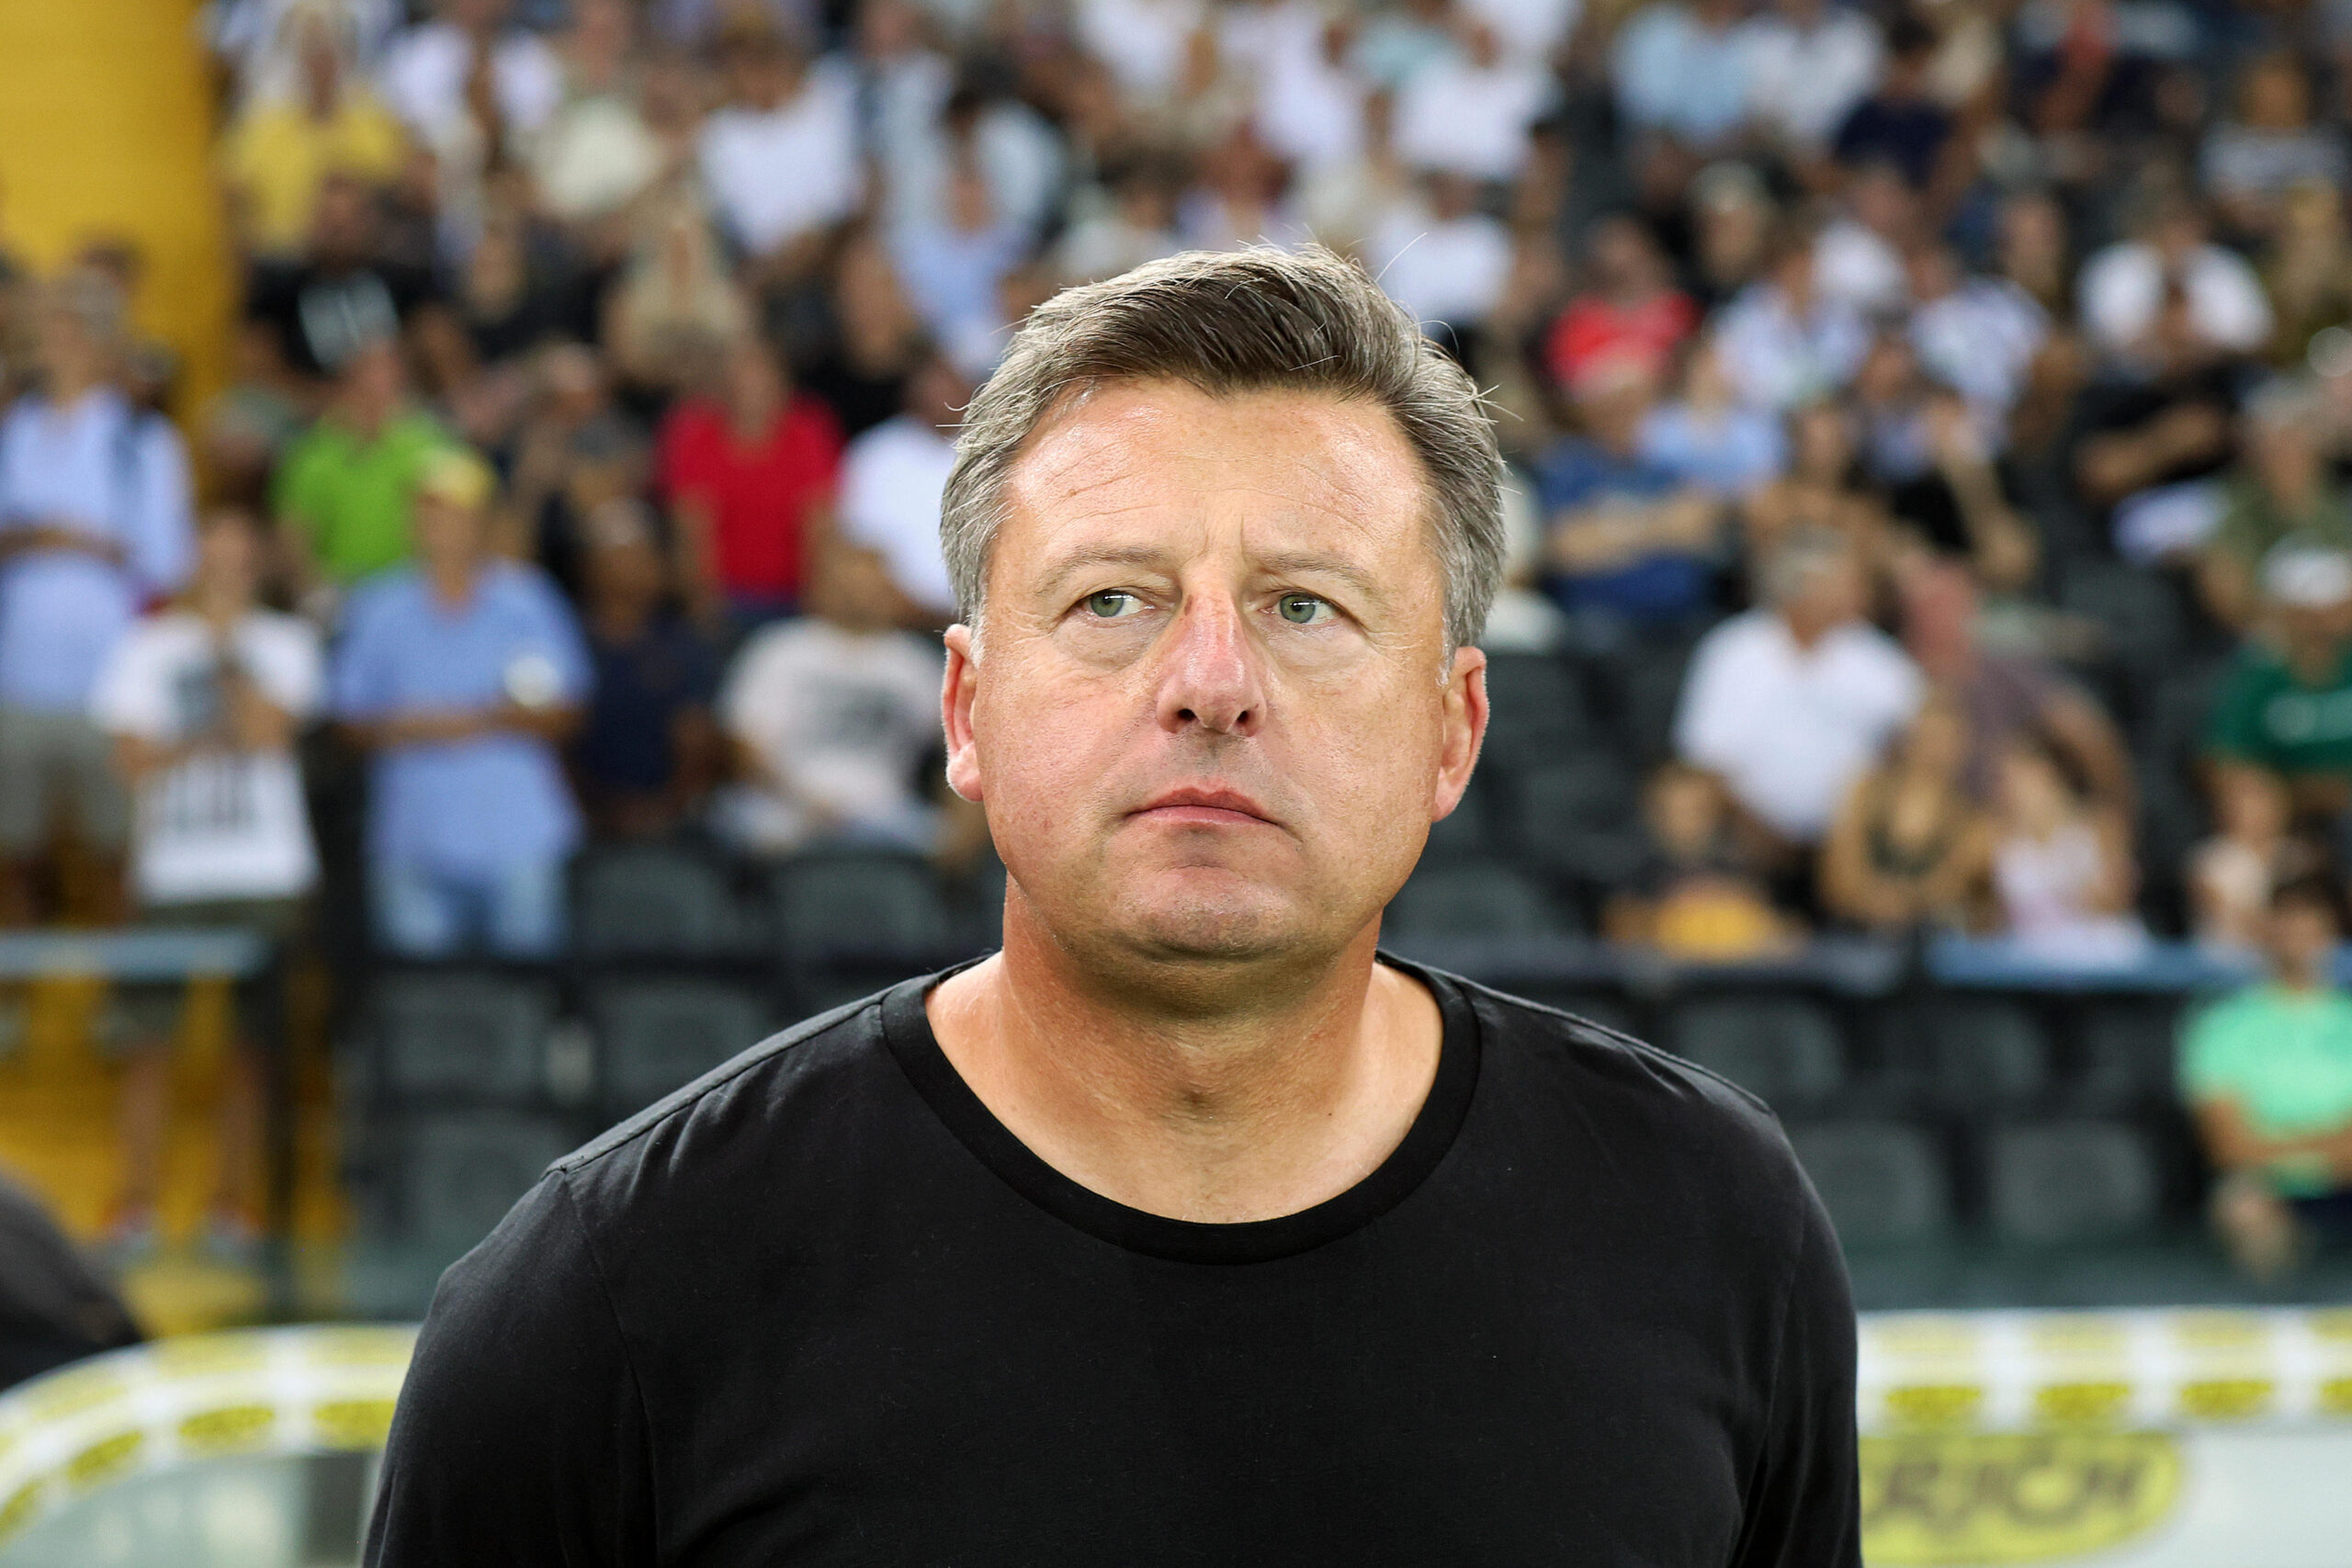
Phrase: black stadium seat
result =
(655, 1035)
(859, 904)
(2056, 1183)
(1782, 1049)
(1884, 1183)
(463, 1169)
(652, 901)
(474, 1038)
(1538, 709)
(1471, 899)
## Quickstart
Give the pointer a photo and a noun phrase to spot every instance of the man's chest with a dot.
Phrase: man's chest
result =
(1357, 1421)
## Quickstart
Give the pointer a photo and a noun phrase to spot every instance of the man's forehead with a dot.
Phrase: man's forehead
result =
(1162, 458)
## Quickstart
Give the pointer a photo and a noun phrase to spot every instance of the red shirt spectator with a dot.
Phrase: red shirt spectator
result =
(751, 476)
(1630, 313)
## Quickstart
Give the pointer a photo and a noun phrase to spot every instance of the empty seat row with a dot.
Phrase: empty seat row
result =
(1888, 1183)
(660, 901)
(458, 1039)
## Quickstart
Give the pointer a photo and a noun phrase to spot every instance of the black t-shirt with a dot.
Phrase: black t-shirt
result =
(322, 314)
(823, 1308)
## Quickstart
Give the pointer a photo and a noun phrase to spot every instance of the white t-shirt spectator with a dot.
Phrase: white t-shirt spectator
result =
(1789, 729)
(1470, 119)
(1529, 30)
(222, 824)
(1805, 80)
(1982, 338)
(845, 717)
(1309, 107)
(776, 175)
(1777, 358)
(1672, 74)
(2123, 286)
(1853, 262)
(425, 72)
(1448, 272)
(1142, 41)
(892, 478)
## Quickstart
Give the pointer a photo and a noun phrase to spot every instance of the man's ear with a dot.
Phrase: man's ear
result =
(1465, 729)
(956, 691)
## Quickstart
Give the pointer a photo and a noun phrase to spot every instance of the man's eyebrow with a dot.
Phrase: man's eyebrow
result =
(1151, 555)
(1310, 563)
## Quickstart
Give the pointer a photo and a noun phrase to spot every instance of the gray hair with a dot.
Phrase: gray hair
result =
(1247, 320)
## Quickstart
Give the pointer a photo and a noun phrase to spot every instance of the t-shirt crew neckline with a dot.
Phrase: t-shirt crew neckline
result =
(906, 1028)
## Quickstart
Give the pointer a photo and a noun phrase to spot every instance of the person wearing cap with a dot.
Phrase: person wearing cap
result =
(461, 676)
(2286, 706)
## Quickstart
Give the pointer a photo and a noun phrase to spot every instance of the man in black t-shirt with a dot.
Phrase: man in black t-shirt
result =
(345, 293)
(1187, 1229)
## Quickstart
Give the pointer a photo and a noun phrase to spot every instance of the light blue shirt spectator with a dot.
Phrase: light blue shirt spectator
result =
(477, 807)
(101, 468)
(1684, 70)
(1727, 452)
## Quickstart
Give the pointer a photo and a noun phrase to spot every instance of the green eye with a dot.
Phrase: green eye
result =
(1298, 609)
(1109, 605)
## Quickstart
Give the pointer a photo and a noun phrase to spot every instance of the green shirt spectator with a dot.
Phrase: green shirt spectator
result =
(344, 490)
(2276, 716)
(2284, 1056)
(349, 494)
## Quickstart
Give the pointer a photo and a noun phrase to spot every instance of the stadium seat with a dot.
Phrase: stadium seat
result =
(2054, 1183)
(464, 1169)
(472, 1038)
(1537, 705)
(2127, 1052)
(1883, 1183)
(1969, 1055)
(652, 901)
(1470, 898)
(1576, 814)
(1782, 1049)
(2138, 611)
(653, 1036)
(860, 904)
(1465, 830)
(1646, 679)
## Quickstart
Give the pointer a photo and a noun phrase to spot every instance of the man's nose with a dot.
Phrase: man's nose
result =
(1212, 677)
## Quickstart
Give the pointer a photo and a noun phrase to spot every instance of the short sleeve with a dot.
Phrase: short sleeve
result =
(290, 666)
(560, 629)
(2233, 729)
(161, 526)
(2210, 1054)
(520, 1438)
(1803, 1505)
(127, 698)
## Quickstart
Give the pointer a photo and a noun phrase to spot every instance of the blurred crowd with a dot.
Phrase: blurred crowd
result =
(1960, 391)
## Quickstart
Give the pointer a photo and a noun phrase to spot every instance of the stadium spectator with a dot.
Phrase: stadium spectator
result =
(954, 265)
(750, 476)
(1900, 121)
(1978, 334)
(1440, 257)
(1732, 223)
(597, 153)
(575, 451)
(1699, 892)
(875, 341)
(342, 496)
(1708, 438)
(829, 717)
(1809, 64)
(2252, 854)
(279, 149)
(1910, 847)
(243, 434)
(780, 157)
(2146, 436)
(1857, 251)
(1785, 342)
(203, 702)
(94, 498)
(1789, 703)
(2005, 696)
(2286, 705)
(436, 73)
(1947, 496)
(1628, 541)
(1628, 309)
(892, 478)
(1467, 112)
(1821, 490)
(647, 752)
(2249, 163)
(461, 676)
(1684, 71)
(1137, 224)
(2308, 274)
(346, 292)
(2268, 1074)
(668, 320)
(2281, 489)
(2062, 872)
(2126, 287)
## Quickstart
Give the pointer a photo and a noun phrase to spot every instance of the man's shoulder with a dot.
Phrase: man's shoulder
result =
(1619, 1085)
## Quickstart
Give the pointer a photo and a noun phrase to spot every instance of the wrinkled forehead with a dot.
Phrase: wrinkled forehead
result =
(1166, 468)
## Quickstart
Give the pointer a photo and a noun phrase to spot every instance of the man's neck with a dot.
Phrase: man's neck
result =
(453, 583)
(1192, 1109)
